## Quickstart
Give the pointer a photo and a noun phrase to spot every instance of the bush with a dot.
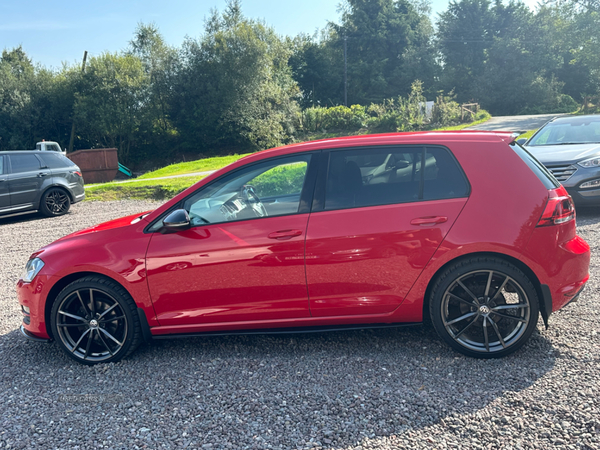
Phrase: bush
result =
(394, 114)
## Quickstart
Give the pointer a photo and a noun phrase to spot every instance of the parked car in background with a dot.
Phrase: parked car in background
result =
(50, 146)
(363, 231)
(38, 181)
(570, 148)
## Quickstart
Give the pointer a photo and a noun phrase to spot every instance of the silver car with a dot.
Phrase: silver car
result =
(36, 180)
(570, 148)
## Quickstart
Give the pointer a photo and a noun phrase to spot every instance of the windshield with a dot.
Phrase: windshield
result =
(585, 130)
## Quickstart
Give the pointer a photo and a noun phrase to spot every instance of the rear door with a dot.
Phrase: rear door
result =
(25, 179)
(378, 217)
(4, 192)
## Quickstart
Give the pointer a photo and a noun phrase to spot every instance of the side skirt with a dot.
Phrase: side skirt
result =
(297, 330)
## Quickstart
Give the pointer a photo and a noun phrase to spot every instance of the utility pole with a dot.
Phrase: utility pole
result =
(345, 71)
(71, 141)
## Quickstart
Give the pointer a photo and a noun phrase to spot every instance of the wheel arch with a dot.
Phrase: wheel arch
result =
(510, 259)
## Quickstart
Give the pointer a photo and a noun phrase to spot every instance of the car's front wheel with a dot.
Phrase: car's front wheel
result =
(94, 320)
(484, 307)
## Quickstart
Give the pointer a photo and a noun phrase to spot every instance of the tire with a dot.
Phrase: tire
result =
(55, 202)
(484, 307)
(94, 320)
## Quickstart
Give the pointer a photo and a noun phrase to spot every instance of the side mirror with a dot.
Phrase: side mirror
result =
(521, 141)
(178, 220)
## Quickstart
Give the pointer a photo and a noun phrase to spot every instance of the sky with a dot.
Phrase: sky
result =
(59, 31)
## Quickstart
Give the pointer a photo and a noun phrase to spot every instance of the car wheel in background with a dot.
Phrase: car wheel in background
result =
(55, 202)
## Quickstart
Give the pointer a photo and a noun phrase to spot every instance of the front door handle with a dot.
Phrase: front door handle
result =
(285, 234)
(42, 174)
(431, 220)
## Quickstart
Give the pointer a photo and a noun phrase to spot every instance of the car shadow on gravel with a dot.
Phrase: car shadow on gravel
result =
(291, 391)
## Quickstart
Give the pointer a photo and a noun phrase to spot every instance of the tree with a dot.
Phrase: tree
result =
(389, 46)
(110, 104)
(234, 90)
(465, 33)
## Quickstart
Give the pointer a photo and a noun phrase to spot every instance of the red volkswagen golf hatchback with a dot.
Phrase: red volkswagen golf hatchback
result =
(368, 231)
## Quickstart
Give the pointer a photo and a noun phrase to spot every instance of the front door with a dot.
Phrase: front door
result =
(384, 214)
(243, 257)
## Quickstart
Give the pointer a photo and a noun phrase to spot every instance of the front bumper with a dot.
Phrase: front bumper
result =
(32, 337)
(584, 197)
(31, 296)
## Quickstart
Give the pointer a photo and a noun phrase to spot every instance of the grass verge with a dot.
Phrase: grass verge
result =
(140, 190)
(201, 165)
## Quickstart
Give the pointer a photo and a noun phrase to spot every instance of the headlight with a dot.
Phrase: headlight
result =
(592, 162)
(32, 268)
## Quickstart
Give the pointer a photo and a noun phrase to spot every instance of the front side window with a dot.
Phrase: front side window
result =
(24, 163)
(270, 188)
(370, 177)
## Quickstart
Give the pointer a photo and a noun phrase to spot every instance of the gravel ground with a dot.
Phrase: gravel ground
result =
(381, 389)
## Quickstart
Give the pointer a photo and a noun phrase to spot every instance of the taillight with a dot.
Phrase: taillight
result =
(78, 173)
(559, 209)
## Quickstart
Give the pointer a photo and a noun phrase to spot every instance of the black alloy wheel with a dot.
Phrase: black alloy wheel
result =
(484, 307)
(55, 202)
(94, 320)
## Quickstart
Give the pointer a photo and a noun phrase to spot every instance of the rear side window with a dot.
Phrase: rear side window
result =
(536, 167)
(370, 177)
(1, 164)
(55, 160)
(24, 163)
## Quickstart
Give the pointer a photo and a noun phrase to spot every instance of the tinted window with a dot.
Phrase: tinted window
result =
(370, 177)
(1, 164)
(443, 176)
(24, 163)
(271, 188)
(55, 160)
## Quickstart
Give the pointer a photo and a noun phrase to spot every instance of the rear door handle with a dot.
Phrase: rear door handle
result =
(431, 220)
(42, 174)
(285, 234)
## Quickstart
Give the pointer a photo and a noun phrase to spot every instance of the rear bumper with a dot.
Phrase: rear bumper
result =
(562, 270)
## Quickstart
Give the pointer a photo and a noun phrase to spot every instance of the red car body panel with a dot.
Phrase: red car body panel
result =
(356, 266)
(365, 260)
(229, 272)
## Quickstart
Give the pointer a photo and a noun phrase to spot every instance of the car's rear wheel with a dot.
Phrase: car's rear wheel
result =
(55, 202)
(484, 307)
(95, 320)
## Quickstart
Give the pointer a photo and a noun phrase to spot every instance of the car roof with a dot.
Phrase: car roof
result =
(417, 137)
